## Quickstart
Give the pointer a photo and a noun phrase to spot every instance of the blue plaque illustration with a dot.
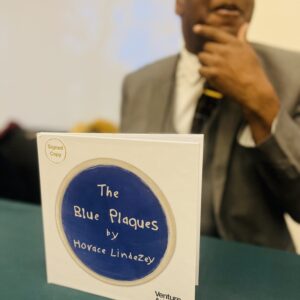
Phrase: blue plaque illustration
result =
(115, 222)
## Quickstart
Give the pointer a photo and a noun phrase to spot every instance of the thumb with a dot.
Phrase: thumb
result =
(242, 33)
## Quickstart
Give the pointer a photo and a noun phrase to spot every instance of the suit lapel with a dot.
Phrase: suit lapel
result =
(162, 97)
(229, 121)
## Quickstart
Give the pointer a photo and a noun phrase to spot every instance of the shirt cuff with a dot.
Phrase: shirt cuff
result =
(245, 137)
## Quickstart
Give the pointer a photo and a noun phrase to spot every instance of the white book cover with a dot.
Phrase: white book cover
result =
(121, 213)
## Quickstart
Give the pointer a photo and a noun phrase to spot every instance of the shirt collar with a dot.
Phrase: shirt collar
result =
(188, 67)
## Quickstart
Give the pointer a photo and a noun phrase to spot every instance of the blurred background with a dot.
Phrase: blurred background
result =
(62, 61)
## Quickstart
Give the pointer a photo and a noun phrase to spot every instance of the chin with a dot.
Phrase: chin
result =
(196, 46)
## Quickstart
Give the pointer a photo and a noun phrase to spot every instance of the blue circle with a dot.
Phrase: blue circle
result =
(114, 223)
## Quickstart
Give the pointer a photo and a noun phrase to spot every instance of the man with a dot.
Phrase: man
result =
(252, 137)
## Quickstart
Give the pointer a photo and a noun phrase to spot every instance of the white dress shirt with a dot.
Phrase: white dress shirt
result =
(189, 87)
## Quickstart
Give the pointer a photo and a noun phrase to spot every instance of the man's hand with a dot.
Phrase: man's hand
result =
(231, 65)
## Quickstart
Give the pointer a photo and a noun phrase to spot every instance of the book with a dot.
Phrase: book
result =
(121, 213)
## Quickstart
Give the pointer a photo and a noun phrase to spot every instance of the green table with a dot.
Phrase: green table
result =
(228, 270)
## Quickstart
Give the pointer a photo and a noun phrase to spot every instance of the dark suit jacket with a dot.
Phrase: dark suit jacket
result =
(262, 188)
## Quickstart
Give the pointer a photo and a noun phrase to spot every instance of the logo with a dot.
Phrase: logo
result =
(160, 296)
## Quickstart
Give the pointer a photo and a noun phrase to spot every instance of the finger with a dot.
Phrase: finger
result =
(212, 47)
(209, 73)
(242, 33)
(213, 33)
(208, 59)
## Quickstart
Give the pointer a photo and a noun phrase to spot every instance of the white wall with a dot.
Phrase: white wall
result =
(62, 61)
(277, 22)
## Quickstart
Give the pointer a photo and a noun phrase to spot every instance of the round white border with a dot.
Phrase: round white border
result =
(157, 192)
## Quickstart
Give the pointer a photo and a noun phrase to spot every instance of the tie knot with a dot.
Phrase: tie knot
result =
(207, 103)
